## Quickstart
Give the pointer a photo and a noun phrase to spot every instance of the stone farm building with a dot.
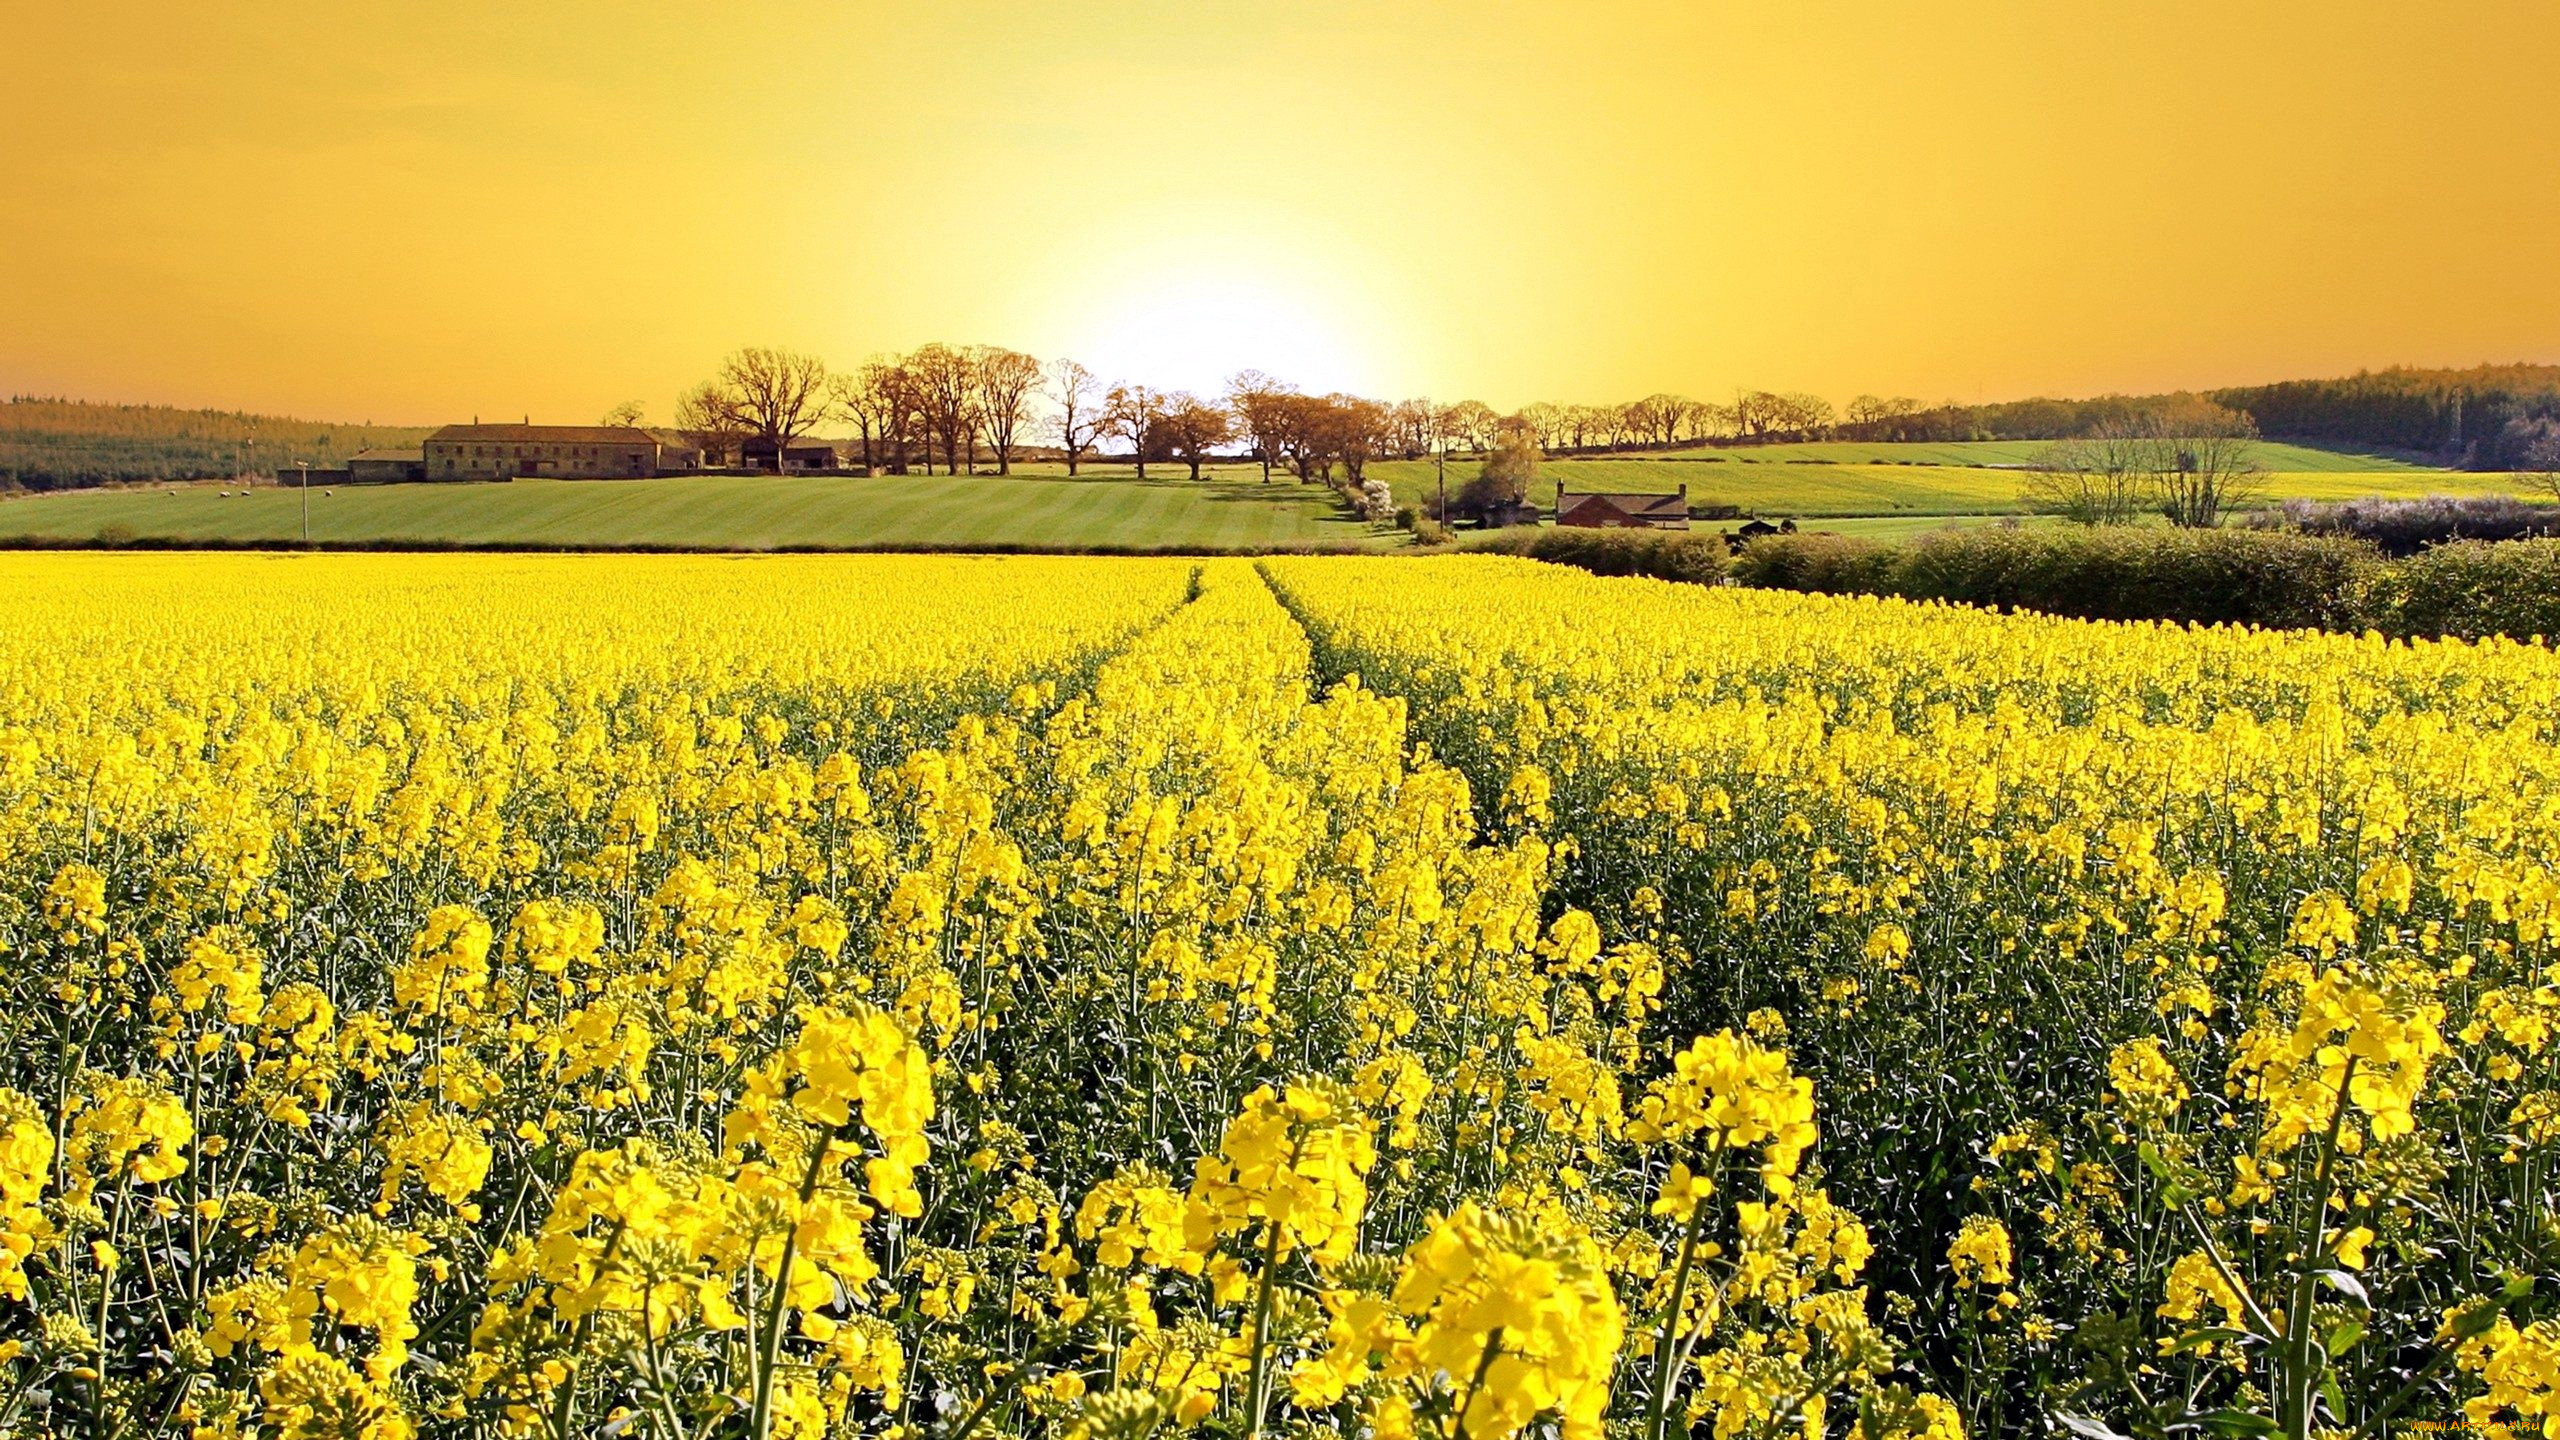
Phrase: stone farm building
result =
(575, 452)
(386, 466)
(500, 452)
(1607, 510)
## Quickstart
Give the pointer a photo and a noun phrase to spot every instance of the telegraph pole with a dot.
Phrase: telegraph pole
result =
(305, 467)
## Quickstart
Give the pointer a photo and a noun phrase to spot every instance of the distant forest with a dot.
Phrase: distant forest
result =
(2483, 418)
(49, 443)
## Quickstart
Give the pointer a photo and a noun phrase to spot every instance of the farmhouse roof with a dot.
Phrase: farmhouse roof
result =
(547, 434)
(392, 453)
(1632, 504)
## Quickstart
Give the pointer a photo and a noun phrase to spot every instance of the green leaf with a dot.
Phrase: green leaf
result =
(2477, 1318)
(2206, 1339)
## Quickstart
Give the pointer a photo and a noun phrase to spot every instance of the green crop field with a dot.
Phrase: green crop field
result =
(1040, 506)
(2272, 455)
(1889, 490)
(1230, 509)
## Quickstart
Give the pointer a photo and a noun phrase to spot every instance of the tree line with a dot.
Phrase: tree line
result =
(50, 443)
(2488, 417)
(955, 407)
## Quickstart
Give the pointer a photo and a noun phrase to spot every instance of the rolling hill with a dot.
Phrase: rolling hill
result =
(48, 444)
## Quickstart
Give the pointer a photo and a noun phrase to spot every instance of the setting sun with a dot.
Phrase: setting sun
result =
(1192, 324)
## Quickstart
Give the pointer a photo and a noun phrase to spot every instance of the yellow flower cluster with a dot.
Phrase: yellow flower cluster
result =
(1296, 1160)
(2016, 884)
(942, 998)
(1515, 1320)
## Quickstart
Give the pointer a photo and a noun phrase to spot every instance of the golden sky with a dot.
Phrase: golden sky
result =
(415, 212)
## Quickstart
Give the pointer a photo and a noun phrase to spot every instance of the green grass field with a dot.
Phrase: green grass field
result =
(1229, 509)
(1040, 506)
(2273, 455)
(1897, 490)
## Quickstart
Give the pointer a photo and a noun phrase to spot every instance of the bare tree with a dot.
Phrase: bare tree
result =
(1807, 417)
(2542, 466)
(946, 381)
(1470, 423)
(904, 430)
(1193, 426)
(627, 415)
(772, 397)
(708, 420)
(875, 399)
(1007, 379)
(1758, 414)
(2102, 478)
(1547, 423)
(1133, 412)
(2192, 460)
(1262, 411)
(2204, 462)
(2538, 456)
(1416, 426)
(1077, 394)
(1663, 419)
(1878, 409)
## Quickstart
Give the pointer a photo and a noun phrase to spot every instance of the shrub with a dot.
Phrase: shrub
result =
(1663, 554)
(2472, 589)
(1817, 562)
(2405, 527)
(2203, 576)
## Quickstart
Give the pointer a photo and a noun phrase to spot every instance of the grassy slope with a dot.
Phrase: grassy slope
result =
(60, 439)
(2274, 455)
(1037, 507)
(1040, 506)
(1780, 489)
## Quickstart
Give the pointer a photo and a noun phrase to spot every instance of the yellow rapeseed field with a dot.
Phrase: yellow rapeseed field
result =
(1454, 999)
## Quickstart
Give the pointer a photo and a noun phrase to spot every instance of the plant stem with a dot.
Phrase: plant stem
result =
(2297, 1379)
(760, 1420)
(1659, 1409)
(1257, 1392)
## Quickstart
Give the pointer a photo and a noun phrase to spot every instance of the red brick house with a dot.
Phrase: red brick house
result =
(1597, 509)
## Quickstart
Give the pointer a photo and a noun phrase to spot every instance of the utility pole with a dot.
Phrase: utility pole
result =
(1440, 463)
(305, 467)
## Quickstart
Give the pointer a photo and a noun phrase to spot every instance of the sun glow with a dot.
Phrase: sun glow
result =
(1191, 326)
(476, 208)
